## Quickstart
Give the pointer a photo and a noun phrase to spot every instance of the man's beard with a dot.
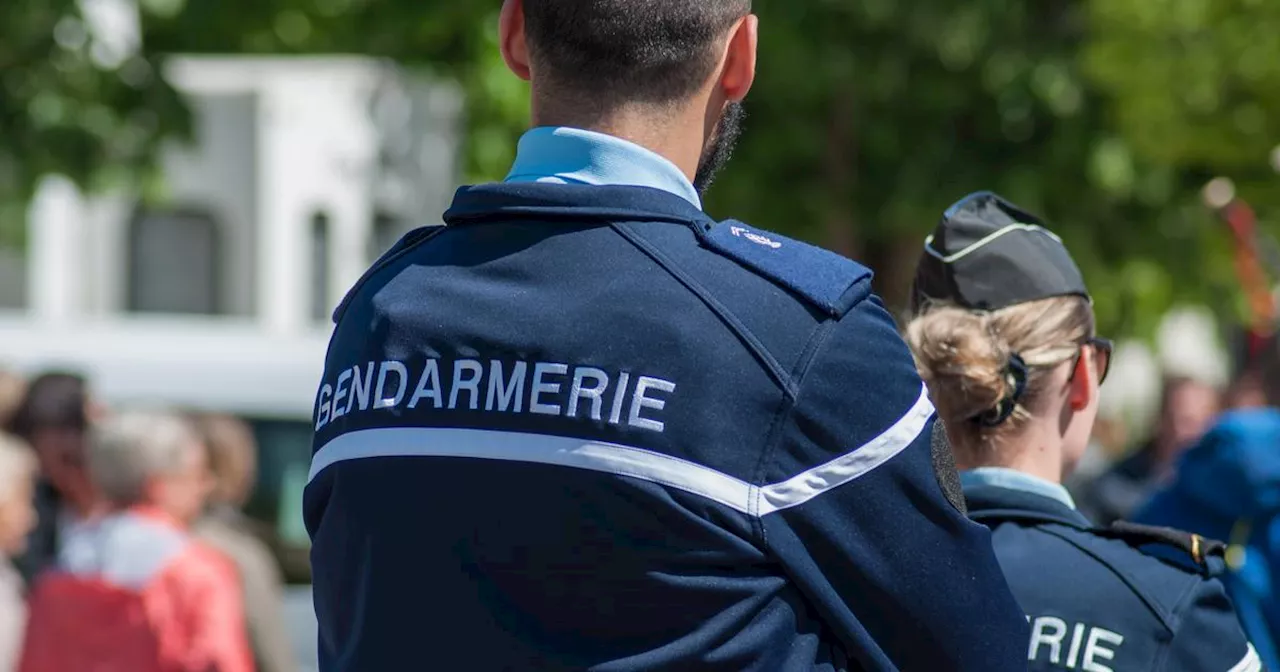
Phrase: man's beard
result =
(717, 153)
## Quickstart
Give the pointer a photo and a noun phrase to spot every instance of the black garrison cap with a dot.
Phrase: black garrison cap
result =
(988, 253)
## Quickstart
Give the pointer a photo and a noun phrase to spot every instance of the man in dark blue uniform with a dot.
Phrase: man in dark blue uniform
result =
(585, 426)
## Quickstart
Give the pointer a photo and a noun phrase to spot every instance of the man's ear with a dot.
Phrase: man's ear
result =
(739, 71)
(511, 37)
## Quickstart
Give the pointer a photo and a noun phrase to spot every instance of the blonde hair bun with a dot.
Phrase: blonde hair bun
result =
(961, 360)
(964, 356)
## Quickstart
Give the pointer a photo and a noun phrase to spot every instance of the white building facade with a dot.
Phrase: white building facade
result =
(300, 173)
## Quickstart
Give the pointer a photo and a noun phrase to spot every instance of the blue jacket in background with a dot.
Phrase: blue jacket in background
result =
(1096, 602)
(1227, 487)
(587, 427)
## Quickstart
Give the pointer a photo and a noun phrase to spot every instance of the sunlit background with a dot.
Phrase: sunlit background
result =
(188, 187)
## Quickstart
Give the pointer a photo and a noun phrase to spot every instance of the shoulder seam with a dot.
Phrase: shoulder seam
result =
(1153, 608)
(721, 311)
(1187, 596)
(425, 234)
(854, 292)
(783, 416)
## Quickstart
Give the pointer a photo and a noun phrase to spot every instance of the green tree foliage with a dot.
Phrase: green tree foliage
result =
(868, 118)
(1191, 90)
(71, 103)
(874, 116)
(1193, 82)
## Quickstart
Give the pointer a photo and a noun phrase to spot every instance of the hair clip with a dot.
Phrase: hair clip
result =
(1015, 372)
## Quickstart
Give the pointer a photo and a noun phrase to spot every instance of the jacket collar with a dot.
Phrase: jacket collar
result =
(991, 503)
(569, 202)
(576, 156)
(1016, 480)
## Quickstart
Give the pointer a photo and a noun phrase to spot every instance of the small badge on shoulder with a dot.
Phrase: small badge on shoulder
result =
(820, 277)
(754, 237)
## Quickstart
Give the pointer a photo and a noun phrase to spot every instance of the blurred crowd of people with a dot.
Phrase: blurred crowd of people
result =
(1187, 408)
(125, 543)
(1210, 467)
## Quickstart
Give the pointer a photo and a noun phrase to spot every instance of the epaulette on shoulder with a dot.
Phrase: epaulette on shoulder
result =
(1206, 555)
(832, 283)
(407, 242)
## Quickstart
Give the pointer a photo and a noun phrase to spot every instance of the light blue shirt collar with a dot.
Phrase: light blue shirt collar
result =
(573, 156)
(1012, 479)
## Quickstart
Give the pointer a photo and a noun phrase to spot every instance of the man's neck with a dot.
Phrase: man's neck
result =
(674, 133)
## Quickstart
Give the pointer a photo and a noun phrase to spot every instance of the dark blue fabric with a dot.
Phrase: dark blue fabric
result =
(43, 541)
(456, 563)
(1117, 493)
(1078, 586)
(1250, 590)
(1227, 487)
(820, 276)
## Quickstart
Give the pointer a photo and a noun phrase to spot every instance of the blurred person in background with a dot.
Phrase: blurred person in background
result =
(1246, 387)
(17, 518)
(132, 589)
(1187, 409)
(233, 455)
(12, 389)
(1245, 392)
(1004, 335)
(53, 418)
(1227, 486)
(1109, 433)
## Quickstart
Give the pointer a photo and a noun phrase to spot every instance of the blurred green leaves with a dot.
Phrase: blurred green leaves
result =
(1106, 116)
(68, 105)
(869, 117)
(1191, 81)
(1190, 89)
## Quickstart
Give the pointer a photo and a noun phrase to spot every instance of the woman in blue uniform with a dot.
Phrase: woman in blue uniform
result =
(1003, 334)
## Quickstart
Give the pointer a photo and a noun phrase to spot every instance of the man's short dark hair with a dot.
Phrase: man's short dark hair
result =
(650, 51)
(56, 400)
(1172, 383)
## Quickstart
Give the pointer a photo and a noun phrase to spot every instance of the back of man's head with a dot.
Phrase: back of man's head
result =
(129, 451)
(612, 51)
(233, 455)
(57, 401)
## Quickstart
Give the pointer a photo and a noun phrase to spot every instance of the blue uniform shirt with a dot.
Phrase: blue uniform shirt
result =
(1012, 479)
(1096, 602)
(584, 426)
(558, 155)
